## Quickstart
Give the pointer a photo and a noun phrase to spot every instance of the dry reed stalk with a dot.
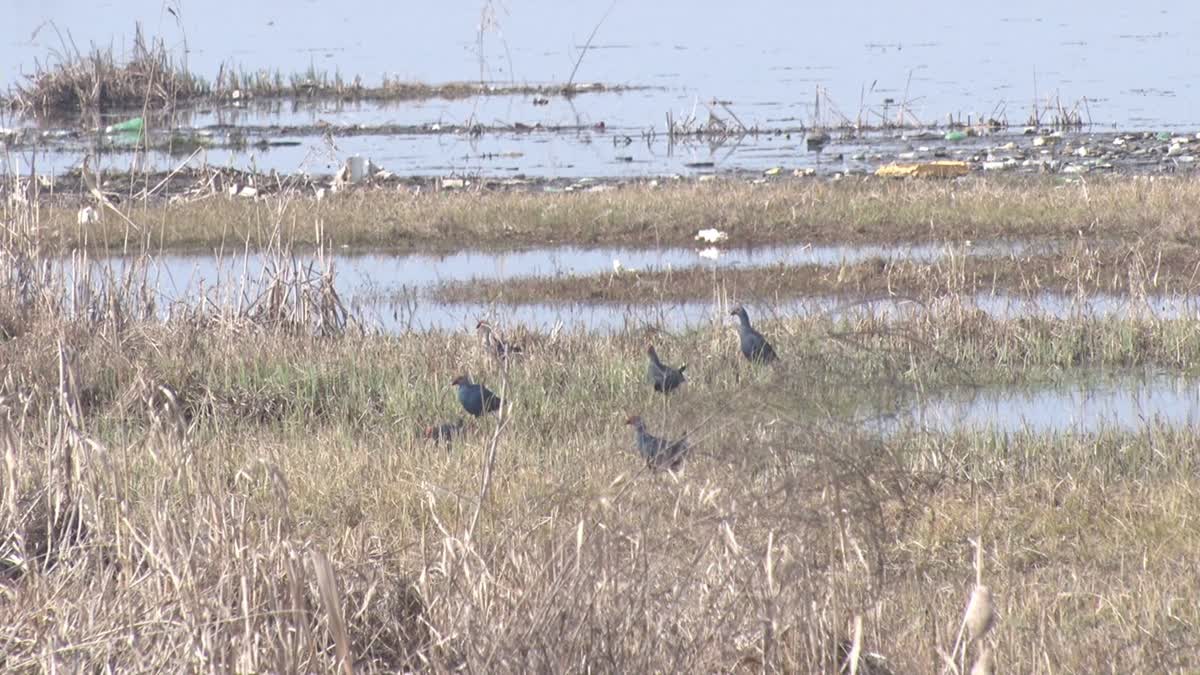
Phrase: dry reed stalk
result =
(332, 601)
(985, 663)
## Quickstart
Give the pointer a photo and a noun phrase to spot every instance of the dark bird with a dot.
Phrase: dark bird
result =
(658, 453)
(475, 398)
(664, 378)
(493, 343)
(755, 347)
(444, 432)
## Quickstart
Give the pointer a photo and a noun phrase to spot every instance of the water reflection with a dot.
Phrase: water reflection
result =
(1126, 404)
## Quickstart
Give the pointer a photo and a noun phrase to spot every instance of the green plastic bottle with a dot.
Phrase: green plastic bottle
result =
(134, 125)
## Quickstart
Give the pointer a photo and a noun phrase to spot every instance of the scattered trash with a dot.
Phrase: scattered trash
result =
(712, 235)
(358, 168)
(956, 135)
(699, 165)
(1000, 165)
(816, 140)
(88, 215)
(618, 267)
(805, 172)
(132, 125)
(711, 253)
(773, 171)
(541, 100)
(453, 183)
(935, 169)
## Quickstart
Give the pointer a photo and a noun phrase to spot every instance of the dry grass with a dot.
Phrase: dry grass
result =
(98, 81)
(154, 77)
(203, 512)
(239, 490)
(792, 210)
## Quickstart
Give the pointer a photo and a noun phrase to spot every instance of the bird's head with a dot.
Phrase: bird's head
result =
(459, 380)
(650, 348)
(633, 421)
(428, 432)
(738, 311)
(483, 326)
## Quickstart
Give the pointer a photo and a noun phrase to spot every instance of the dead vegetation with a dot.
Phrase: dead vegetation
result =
(194, 209)
(152, 77)
(241, 483)
(74, 81)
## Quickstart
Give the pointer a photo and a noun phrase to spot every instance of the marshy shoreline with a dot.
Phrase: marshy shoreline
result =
(220, 385)
(205, 210)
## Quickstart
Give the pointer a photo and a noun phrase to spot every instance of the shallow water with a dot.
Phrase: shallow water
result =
(1134, 64)
(176, 274)
(1126, 404)
(391, 292)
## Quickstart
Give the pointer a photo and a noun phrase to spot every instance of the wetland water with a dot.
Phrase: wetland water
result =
(1115, 404)
(1135, 65)
(392, 292)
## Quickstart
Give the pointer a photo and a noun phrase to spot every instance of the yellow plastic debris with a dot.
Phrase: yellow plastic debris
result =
(773, 171)
(939, 169)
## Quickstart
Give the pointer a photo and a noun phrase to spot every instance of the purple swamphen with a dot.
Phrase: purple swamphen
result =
(664, 378)
(444, 432)
(475, 398)
(658, 453)
(755, 347)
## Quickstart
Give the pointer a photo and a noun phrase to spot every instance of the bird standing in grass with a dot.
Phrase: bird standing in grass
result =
(658, 453)
(755, 347)
(494, 344)
(444, 432)
(664, 378)
(475, 398)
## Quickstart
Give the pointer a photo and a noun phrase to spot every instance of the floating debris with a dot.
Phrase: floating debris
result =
(935, 169)
(88, 215)
(711, 235)
(134, 125)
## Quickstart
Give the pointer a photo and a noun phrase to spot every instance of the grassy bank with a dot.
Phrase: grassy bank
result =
(645, 214)
(204, 472)
(247, 487)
